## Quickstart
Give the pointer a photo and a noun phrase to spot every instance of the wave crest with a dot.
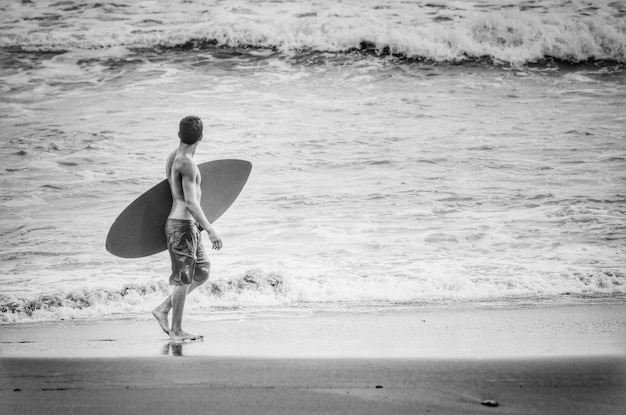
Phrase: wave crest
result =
(507, 36)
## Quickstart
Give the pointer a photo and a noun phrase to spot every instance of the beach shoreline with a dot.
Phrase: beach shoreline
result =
(594, 329)
(543, 360)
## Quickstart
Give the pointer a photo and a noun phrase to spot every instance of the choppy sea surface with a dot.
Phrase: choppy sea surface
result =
(404, 153)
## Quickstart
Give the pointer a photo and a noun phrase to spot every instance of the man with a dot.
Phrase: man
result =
(190, 266)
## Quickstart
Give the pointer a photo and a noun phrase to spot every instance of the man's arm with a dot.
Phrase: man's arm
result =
(189, 177)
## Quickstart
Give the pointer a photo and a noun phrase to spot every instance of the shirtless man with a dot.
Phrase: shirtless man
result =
(190, 266)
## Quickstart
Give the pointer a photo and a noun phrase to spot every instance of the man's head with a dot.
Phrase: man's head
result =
(190, 129)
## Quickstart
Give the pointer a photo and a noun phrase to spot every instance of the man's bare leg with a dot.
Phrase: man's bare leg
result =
(161, 311)
(179, 295)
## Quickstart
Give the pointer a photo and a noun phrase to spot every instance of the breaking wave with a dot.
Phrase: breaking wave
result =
(257, 289)
(501, 33)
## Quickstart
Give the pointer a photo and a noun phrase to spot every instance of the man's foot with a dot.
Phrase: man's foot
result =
(184, 336)
(161, 317)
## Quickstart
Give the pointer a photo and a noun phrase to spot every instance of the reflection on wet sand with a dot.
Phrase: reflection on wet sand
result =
(175, 348)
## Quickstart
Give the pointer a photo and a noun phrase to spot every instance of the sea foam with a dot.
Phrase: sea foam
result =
(458, 32)
(256, 289)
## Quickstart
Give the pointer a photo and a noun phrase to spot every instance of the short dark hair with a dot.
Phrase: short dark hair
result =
(190, 129)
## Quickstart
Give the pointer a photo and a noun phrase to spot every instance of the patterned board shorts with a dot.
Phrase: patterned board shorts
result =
(184, 243)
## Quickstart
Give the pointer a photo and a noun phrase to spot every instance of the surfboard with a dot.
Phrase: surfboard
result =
(139, 230)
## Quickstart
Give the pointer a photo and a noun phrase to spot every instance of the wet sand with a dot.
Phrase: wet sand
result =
(533, 360)
(303, 386)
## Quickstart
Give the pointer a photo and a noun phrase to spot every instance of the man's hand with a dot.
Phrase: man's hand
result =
(216, 241)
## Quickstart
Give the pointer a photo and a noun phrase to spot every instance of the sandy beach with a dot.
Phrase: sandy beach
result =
(534, 359)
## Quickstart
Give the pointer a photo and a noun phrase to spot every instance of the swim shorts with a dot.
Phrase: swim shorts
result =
(184, 243)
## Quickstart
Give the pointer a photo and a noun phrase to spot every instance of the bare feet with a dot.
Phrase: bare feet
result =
(180, 336)
(161, 317)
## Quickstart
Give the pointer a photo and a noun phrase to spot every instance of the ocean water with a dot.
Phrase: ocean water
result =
(405, 153)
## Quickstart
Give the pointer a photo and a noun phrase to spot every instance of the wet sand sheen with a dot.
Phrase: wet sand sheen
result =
(433, 332)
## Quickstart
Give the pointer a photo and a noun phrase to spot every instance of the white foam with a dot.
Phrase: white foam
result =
(415, 30)
(257, 288)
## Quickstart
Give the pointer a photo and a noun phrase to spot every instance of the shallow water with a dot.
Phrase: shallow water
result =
(377, 179)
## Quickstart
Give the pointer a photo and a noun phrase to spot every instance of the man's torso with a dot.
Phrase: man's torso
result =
(175, 174)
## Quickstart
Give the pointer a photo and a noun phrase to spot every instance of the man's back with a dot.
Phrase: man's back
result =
(182, 173)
